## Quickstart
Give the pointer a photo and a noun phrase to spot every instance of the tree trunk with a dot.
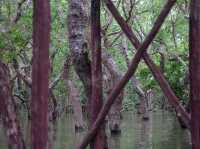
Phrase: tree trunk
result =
(114, 115)
(40, 74)
(78, 22)
(8, 111)
(74, 99)
(99, 140)
(74, 96)
(194, 45)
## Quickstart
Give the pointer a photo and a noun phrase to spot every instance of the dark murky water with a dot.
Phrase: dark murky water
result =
(160, 132)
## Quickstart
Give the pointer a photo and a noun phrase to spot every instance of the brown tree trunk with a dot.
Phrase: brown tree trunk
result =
(78, 22)
(8, 111)
(40, 74)
(99, 140)
(194, 68)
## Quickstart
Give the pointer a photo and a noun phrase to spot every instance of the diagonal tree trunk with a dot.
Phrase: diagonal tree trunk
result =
(8, 111)
(40, 74)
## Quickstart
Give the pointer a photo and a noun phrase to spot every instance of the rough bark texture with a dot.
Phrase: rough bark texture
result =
(8, 111)
(99, 141)
(194, 72)
(78, 22)
(40, 74)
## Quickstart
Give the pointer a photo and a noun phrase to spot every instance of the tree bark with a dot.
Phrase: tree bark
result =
(40, 74)
(194, 45)
(74, 96)
(78, 22)
(173, 99)
(8, 111)
(99, 140)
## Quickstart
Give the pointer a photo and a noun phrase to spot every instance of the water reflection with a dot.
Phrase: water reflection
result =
(114, 141)
(162, 131)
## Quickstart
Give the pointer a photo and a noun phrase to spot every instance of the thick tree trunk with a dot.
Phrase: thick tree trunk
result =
(8, 111)
(74, 96)
(99, 140)
(40, 74)
(194, 72)
(78, 22)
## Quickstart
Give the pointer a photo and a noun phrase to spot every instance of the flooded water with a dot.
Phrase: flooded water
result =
(162, 131)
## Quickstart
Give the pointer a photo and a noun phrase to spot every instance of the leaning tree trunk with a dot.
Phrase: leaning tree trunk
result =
(40, 74)
(8, 111)
(78, 22)
(194, 72)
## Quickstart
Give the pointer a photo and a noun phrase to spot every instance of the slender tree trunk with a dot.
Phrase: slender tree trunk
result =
(99, 141)
(142, 109)
(40, 74)
(114, 115)
(8, 111)
(194, 72)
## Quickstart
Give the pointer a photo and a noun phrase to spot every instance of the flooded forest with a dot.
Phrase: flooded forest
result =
(99, 74)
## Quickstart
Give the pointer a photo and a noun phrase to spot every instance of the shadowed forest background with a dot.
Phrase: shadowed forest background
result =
(47, 75)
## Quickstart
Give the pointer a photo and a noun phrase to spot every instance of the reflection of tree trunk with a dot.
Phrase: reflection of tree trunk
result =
(8, 111)
(114, 142)
(146, 134)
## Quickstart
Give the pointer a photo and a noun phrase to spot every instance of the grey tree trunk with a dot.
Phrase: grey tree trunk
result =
(78, 23)
(73, 96)
(8, 111)
(114, 116)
